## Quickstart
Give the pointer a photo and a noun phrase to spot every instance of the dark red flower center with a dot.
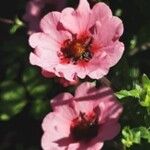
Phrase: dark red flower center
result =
(84, 127)
(77, 49)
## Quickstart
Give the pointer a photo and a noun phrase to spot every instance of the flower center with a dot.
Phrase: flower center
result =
(84, 127)
(77, 49)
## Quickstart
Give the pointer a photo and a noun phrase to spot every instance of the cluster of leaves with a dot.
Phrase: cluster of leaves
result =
(141, 93)
(135, 135)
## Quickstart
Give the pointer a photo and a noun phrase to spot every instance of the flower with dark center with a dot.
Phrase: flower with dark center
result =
(77, 49)
(78, 43)
(84, 127)
(83, 121)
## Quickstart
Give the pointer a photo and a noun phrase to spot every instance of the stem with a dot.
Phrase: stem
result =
(6, 21)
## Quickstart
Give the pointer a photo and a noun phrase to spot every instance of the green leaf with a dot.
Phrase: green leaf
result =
(145, 133)
(17, 24)
(145, 81)
(145, 98)
(124, 93)
(137, 137)
(142, 92)
(127, 139)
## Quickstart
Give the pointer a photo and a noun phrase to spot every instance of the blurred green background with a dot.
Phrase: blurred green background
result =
(25, 94)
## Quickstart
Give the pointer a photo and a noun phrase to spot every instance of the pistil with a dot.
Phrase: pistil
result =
(84, 127)
(77, 49)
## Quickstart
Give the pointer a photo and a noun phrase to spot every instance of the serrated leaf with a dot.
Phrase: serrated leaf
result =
(124, 93)
(137, 137)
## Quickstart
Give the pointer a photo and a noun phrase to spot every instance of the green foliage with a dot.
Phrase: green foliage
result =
(39, 108)
(130, 137)
(141, 92)
(124, 93)
(146, 81)
(39, 90)
(12, 99)
(145, 94)
(134, 135)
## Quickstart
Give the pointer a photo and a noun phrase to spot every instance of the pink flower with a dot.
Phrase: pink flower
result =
(82, 122)
(78, 43)
(36, 9)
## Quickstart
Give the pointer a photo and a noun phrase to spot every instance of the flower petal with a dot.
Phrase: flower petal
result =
(50, 25)
(76, 21)
(46, 59)
(109, 31)
(109, 130)
(98, 66)
(100, 12)
(68, 71)
(48, 74)
(42, 40)
(64, 105)
(114, 52)
(54, 131)
(61, 99)
(110, 108)
(87, 97)
(95, 144)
